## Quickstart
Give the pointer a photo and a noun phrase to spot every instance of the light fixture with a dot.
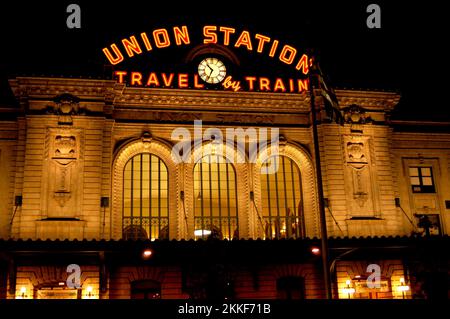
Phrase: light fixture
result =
(403, 287)
(61, 283)
(348, 290)
(147, 253)
(23, 291)
(358, 276)
(202, 232)
(315, 250)
(89, 293)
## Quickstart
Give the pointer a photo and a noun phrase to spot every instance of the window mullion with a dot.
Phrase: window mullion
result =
(268, 200)
(218, 187)
(201, 196)
(296, 218)
(140, 191)
(278, 203)
(210, 192)
(132, 199)
(150, 216)
(288, 217)
(228, 189)
(236, 202)
(159, 195)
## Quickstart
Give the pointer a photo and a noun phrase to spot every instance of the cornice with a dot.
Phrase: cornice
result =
(370, 100)
(48, 88)
(212, 99)
(121, 96)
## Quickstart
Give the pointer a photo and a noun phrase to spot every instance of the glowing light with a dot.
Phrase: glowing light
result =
(147, 253)
(133, 44)
(61, 283)
(89, 289)
(358, 276)
(23, 290)
(348, 290)
(202, 232)
(315, 250)
(402, 286)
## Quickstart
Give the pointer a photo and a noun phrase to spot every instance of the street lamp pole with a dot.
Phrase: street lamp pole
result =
(323, 222)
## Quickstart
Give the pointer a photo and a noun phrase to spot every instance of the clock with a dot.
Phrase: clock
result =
(212, 70)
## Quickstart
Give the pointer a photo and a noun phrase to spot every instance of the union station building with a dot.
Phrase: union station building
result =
(89, 176)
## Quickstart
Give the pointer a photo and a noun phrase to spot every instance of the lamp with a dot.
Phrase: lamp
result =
(315, 250)
(403, 287)
(17, 203)
(104, 202)
(18, 200)
(23, 291)
(89, 293)
(147, 253)
(202, 232)
(348, 290)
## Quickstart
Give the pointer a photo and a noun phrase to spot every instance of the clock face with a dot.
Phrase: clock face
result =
(212, 70)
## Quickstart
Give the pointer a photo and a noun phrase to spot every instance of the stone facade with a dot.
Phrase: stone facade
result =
(70, 139)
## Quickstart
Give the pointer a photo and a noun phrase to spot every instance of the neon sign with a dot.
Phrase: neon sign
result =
(185, 80)
(227, 36)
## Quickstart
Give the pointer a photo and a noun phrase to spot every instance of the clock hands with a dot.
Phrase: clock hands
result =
(216, 71)
(210, 69)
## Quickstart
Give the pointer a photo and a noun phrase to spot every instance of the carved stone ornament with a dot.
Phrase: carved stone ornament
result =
(356, 114)
(355, 151)
(62, 184)
(66, 105)
(62, 197)
(146, 139)
(360, 194)
(65, 146)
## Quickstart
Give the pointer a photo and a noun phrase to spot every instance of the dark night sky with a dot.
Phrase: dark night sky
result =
(405, 55)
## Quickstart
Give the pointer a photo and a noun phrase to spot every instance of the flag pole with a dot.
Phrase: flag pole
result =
(323, 222)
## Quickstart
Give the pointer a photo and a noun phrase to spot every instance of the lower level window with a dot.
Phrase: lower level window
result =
(421, 179)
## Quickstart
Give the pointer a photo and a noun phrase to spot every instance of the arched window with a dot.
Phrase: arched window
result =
(145, 198)
(215, 198)
(282, 199)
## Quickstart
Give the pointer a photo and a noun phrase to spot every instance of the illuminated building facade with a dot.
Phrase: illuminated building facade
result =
(88, 176)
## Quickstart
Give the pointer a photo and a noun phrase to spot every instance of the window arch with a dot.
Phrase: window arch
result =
(282, 204)
(145, 198)
(215, 198)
